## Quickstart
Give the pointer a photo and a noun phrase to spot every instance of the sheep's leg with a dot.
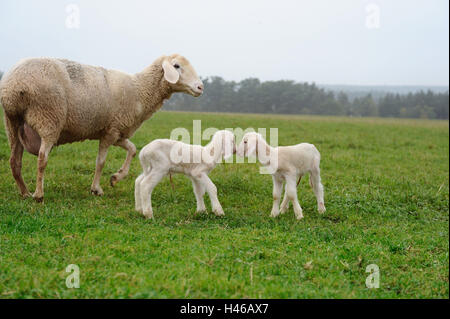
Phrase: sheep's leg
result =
(44, 150)
(137, 192)
(277, 189)
(212, 192)
(199, 191)
(148, 183)
(15, 160)
(284, 204)
(123, 171)
(96, 189)
(291, 191)
(316, 185)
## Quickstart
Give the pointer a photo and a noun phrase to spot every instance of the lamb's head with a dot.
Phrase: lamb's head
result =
(225, 142)
(181, 75)
(249, 144)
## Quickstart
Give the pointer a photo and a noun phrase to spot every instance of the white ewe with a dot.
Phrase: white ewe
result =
(286, 163)
(51, 102)
(163, 156)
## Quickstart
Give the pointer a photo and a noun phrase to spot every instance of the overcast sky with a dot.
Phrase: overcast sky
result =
(401, 42)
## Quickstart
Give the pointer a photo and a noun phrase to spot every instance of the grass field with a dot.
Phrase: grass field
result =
(386, 192)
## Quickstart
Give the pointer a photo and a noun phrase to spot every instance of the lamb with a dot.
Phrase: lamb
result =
(286, 164)
(164, 156)
(49, 102)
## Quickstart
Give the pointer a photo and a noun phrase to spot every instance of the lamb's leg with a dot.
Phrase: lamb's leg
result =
(99, 163)
(277, 188)
(285, 203)
(317, 187)
(291, 190)
(15, 160)
(137, 192)
(123, 171)
(199, 191)
(212, 192)
(44, 150)
(148, 183)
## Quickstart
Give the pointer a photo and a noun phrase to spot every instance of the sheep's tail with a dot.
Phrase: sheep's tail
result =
(12, 126)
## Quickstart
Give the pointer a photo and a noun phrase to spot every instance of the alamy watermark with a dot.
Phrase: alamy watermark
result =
(372, 16)
(73, 16)
(73, 280)
(373, 280)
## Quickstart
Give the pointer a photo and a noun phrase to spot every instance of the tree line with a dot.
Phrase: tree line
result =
(289, 97)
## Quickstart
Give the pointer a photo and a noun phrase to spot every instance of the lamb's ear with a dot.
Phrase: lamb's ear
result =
(252, 144)
(227, 146)
(170, 73)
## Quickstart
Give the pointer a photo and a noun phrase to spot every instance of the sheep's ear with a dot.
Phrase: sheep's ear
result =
(170, 73)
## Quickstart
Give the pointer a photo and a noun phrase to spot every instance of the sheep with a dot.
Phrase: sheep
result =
(49, 102)
(164, 156)
(286, 164)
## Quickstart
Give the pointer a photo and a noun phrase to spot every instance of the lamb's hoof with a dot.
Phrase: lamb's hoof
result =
(218, 212)
(274, 214)
(299, 216)
(322, 208)
(97, 192)
(113, 180)
(149, 216)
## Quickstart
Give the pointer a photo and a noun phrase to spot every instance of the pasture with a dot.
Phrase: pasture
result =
(386, 192)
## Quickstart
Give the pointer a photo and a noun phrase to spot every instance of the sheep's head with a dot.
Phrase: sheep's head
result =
(181, 75)
(248, 145)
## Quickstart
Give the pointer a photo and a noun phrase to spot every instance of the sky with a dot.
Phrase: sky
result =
(354, 42)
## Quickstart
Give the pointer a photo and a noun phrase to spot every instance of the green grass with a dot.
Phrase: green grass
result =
(386, 191)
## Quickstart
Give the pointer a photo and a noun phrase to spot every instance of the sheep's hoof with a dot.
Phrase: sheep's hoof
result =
(113, 180)
(26, 195)
(38, 199)
(97, 192)
(299, 217)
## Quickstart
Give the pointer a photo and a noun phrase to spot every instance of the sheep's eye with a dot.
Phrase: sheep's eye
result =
(245, 142)
(176, 66)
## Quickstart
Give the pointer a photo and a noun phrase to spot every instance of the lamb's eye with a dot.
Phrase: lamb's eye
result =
(176, 66)
(245, 142)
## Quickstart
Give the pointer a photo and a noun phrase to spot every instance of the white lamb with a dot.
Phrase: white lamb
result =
(286, 164)
(164, 156)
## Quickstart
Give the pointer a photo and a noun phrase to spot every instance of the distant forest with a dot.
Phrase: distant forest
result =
(289, 97)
